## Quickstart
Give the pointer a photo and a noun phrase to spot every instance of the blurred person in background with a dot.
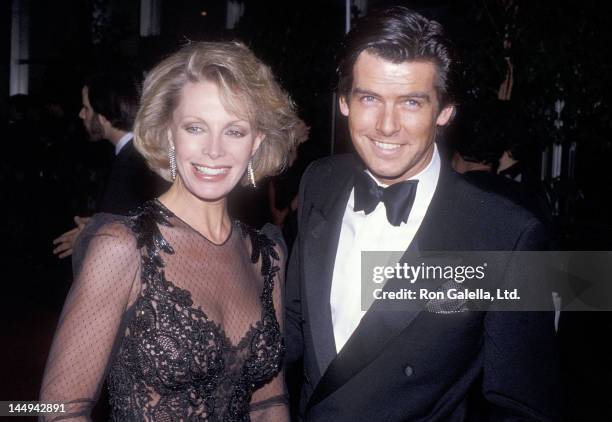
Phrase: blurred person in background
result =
(109, 106)
(479, 136)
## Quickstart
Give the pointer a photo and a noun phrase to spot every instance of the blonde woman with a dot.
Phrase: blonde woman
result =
(179, 306)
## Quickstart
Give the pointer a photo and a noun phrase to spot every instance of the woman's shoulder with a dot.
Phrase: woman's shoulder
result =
(106, 231)
(141, 225)
(275, 235)
(127, 227)
(105, 238)
(111, 226)
(269, 239)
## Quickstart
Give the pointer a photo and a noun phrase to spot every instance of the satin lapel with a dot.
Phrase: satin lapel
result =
(320, 245)
(437, 229)
(378, 327)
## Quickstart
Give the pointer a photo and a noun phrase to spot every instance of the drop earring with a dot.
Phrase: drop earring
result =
(251, 174)
(172, 160)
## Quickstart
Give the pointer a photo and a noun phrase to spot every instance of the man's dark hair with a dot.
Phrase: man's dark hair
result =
(481, 131)
(398, 34)
(115, 96)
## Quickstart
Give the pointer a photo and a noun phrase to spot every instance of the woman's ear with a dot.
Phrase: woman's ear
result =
(257, 142)
(170, 140)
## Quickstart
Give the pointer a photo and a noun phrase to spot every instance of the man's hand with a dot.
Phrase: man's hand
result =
(65, 242)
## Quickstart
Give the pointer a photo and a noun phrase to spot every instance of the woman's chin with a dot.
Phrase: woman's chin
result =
(210, 196)
(209, 193)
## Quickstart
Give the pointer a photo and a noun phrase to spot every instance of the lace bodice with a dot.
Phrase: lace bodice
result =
(186, 329)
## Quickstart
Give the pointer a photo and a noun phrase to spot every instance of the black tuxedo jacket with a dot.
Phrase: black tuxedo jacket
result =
(130, 183)
(417, 365)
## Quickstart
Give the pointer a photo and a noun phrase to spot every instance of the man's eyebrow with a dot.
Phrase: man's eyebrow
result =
(417, 94)
(361, 91)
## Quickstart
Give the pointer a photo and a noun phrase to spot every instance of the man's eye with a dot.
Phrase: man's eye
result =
(193, 129)
(413, 103)
(368, 99)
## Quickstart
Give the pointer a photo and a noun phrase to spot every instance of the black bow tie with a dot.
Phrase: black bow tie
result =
(398, 198)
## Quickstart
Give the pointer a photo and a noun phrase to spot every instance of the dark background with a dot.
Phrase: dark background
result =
(49, 172)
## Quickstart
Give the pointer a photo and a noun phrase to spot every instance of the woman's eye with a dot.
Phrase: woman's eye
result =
(194, 129)
(235, 133)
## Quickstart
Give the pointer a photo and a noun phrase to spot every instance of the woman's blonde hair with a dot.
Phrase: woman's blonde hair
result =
(247, 88)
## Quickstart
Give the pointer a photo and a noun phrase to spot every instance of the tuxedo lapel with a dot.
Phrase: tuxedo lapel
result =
(438, 229)
(324, 222)
(375, 330)
(380, 326)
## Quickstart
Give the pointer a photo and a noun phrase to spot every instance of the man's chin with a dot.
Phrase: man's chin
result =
(386, 176)
(387, 172)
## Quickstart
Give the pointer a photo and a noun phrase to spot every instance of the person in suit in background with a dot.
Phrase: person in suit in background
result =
(479, 137)
(398, 194)
(110, 103)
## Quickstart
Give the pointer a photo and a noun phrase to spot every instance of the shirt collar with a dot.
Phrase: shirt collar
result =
(428, 181)
(122, 142)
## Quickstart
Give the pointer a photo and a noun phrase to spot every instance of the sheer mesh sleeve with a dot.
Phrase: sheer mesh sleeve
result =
(106, 264)
(270, 403)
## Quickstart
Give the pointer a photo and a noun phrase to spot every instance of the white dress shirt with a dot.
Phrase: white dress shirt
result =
(122, 142)
(372, 232)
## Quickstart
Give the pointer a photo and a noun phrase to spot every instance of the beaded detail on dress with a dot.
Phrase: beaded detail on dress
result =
(173, 361)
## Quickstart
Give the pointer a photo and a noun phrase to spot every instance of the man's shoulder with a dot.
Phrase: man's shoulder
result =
(493, 202)
(327, 175)
(493, 215)
(340, 163)
(130, 161)
(128, 152)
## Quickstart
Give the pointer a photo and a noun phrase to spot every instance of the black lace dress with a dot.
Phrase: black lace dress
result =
(185, 329)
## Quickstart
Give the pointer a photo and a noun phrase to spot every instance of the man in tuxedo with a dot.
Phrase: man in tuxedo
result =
(398, 194)
(109, 107)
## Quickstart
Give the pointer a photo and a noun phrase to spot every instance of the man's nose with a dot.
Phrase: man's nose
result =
(388, 121)
(82, 114)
